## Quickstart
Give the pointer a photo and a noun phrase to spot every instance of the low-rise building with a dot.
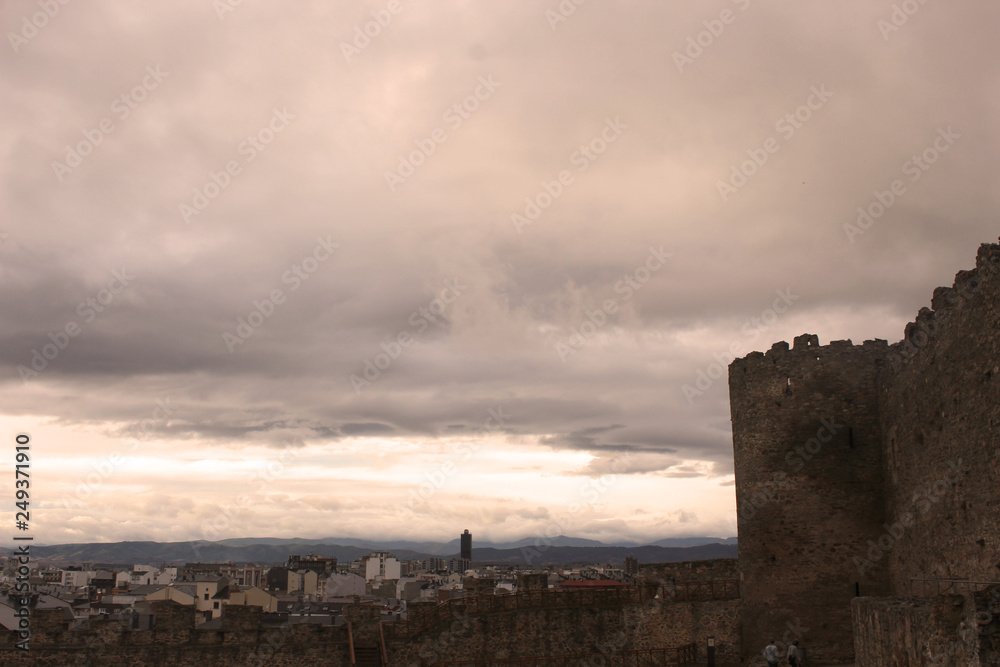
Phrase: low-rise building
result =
(304, 581)
(252, 596)
(343, 585)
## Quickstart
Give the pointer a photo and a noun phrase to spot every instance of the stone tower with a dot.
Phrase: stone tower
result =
(809, 491)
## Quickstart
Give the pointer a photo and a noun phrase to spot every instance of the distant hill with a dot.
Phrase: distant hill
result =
(606, 554)
(560, 550)
(692, 541)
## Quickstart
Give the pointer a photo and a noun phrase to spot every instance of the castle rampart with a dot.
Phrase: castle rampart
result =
(940, 410)
(860, 468)
(807, 446)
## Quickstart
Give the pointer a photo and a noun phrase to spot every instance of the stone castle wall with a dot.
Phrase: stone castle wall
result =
(941, 416)
(859, 468)
(174, 640)
(601, 631)
(604, 630)
(809, 493)
(944, 630)
(691, 570)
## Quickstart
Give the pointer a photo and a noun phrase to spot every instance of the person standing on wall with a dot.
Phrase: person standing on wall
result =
(771, 654)
(793, 654)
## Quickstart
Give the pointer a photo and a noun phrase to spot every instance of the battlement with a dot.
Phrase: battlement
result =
(859, 467)
(946, 304)
(951, 304)
(808, 345)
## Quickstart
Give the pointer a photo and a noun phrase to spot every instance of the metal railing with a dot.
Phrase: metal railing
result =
(459, 608)
(942, 586)
(650, 657)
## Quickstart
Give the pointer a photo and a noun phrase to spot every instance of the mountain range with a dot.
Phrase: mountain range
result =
(560, 550)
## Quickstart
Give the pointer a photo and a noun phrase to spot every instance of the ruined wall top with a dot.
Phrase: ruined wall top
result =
(807, 346)
(945, 302)
(948, 303)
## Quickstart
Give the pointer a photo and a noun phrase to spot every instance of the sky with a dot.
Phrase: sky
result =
(392, 270)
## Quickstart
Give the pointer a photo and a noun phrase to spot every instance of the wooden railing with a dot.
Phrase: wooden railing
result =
(381, 645)
(919, 586)
(712, 589)
(350, 643)
(460, 608)
(674, 655)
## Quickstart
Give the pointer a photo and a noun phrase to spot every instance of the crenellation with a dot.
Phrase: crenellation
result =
(805, 340)
(780, 347)
(944, 298)
(988, 258)
(808, 345)
(905, 489)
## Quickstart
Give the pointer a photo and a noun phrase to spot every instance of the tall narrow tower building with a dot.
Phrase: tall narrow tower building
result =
(466, 545)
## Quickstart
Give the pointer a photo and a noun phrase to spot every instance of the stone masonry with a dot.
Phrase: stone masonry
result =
(862, 468)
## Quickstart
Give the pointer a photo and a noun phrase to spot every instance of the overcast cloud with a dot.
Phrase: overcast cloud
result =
(456, 274)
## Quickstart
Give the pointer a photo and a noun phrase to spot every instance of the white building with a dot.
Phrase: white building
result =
(381, 565)
(146, 575)
(343, 585)
(76, 578)
(167, 575)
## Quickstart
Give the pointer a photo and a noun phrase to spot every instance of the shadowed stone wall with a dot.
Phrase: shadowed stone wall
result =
(860, 468)
(809, 493)
(941, 416)
(601, 629)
